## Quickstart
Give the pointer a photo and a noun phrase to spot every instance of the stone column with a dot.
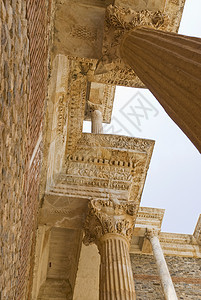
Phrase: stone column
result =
(166, 281)
(96, 121)
(110, 225)
(169, 65)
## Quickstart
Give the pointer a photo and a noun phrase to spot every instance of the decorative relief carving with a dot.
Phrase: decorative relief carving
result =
(151, 232)
(64, 211)
(117, 76)
(103, 171)
(127, 19)
(109, 216)
(61, 118)
(119, 21)
(99, 163)
(77, 84)
(84, 33)
(90, 170)
(118, 142)
(108, 162)
(97, 182)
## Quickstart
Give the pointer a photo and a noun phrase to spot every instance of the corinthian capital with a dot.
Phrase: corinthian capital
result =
(119, 21)
(151, 232)
(127, 19)
(109, 217)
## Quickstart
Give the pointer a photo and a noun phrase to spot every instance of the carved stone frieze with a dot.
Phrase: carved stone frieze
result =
(109, 217)
(61, 118)
(77, 87)
(109, 141)
(102, 171)
(107, 162)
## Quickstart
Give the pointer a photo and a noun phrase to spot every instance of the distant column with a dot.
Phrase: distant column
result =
(169, 65)
(166, 281)
(96, 121)
(110, 225)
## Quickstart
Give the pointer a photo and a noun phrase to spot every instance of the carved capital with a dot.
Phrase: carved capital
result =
(118, 22)
(94, 107)
(109, 217)
(151, 232)
(127, 19)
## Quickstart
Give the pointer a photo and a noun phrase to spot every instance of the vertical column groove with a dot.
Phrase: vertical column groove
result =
(170, 66)
(96, 122)
(115, 263)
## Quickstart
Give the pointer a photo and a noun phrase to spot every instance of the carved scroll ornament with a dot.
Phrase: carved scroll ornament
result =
(109, 217)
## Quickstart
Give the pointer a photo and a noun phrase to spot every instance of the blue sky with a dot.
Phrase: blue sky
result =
(174, 176)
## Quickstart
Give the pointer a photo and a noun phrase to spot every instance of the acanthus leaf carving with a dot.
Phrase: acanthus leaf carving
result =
(109, 217)
(118, 22)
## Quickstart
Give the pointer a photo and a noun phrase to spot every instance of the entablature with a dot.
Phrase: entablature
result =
(173, 244)
(82, 29)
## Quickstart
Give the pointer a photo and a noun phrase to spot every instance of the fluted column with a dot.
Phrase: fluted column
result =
(116, 279)
(96, 121)
(110, 225)
(166, 281)
(169, 65)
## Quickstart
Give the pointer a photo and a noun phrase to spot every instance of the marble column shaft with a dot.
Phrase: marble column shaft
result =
(109, 224)
(116, 278)
(169, 65)
(166, 281)
(96, 121)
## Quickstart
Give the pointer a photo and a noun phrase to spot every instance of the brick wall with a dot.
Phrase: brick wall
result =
(23, 65)
(185, 272)
(37, 34)
(36, 17)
